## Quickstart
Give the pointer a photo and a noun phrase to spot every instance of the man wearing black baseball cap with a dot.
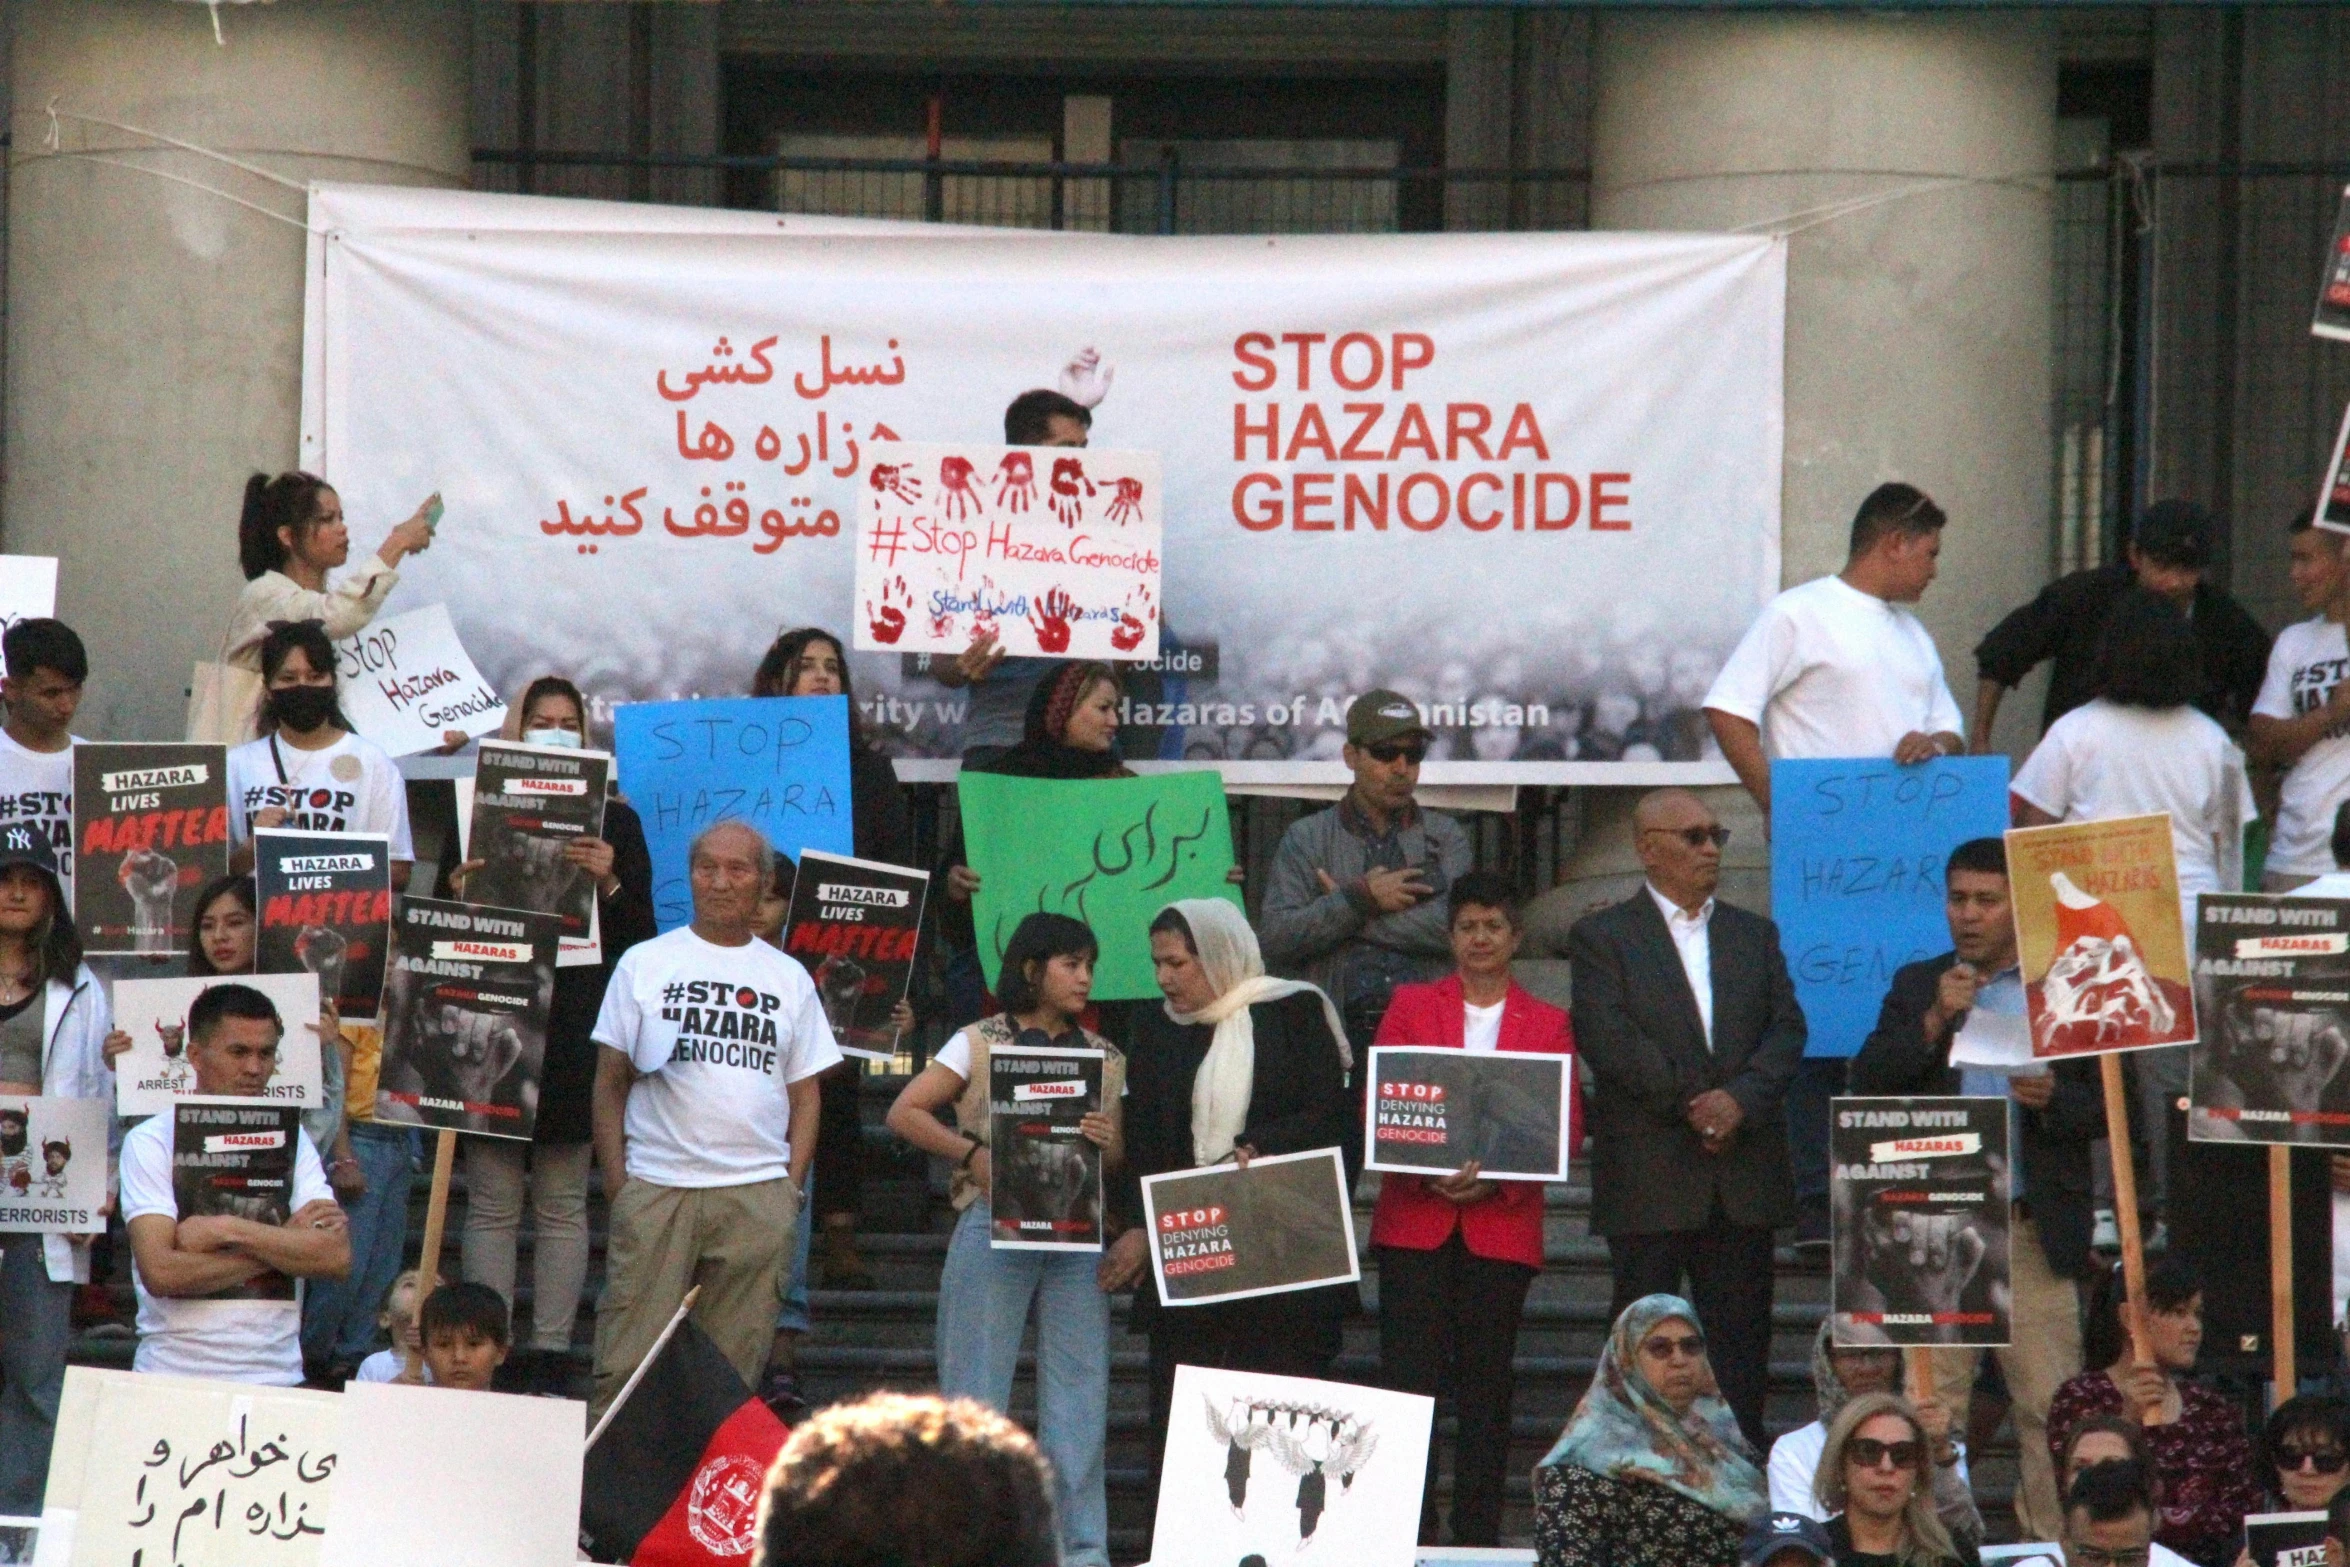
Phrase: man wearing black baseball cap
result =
(2169, 553)
(1355, 902)
(1786, 1540)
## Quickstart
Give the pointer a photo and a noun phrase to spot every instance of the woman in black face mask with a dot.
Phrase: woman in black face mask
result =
(308, 772)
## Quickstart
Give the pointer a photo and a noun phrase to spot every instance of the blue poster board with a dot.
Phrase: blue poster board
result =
(780, 763)
(1856, 875)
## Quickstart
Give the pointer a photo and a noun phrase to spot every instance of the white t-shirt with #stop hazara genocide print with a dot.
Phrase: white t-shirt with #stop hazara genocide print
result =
(351, 786)
(719, 1033)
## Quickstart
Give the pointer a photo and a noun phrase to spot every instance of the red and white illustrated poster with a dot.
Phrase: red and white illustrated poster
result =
(2101, 936)
(1054, 549)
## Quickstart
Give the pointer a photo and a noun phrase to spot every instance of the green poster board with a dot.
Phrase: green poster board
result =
(1109, 851)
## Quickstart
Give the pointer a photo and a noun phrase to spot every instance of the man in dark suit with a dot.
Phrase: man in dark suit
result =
(2053, 1118)
(1690, 1027)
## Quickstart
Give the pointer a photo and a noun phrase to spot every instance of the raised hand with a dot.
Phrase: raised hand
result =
(1922, 1261)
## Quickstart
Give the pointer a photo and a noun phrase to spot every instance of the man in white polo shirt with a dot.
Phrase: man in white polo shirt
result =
(220, 1296)
(705, 1119)
(1839, 667)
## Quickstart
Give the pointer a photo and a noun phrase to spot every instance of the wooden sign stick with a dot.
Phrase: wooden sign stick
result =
(436, 1219)
(2280, 1270)
(2125, 1204)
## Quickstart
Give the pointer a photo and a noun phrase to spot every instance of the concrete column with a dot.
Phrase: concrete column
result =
(154, 331)
(1917, 329)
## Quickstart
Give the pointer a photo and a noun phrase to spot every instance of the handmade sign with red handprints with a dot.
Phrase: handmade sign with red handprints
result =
(1054, 550)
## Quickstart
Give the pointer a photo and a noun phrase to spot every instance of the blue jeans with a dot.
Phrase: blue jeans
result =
(338, 1315)
(793, 1318)
(39, 1318)
(982, 1307)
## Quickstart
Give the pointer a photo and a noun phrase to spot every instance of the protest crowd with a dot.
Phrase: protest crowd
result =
(690, 1083)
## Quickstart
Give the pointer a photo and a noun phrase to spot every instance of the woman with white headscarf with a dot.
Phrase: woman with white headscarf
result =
(1234, 1066)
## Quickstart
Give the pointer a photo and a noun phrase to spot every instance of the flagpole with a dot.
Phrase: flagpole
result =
(642, 1366)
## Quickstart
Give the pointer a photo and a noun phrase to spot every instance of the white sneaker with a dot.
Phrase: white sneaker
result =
(2107, 1236)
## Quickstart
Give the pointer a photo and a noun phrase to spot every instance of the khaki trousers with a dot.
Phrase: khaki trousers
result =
(2046, 1350)
(735, 1242)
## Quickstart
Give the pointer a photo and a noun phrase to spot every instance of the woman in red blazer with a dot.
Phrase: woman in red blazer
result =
(1457, 1254)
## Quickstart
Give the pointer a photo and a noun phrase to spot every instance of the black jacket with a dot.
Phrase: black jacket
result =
(2066, 619)
(1897, 1060)
(1637, 1029)
(877, 803)
(1299, 1102)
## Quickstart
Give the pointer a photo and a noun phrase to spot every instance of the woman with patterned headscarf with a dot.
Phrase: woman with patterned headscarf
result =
(1652, 1467)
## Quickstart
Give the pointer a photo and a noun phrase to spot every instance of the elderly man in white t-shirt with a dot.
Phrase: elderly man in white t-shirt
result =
(1840, 667)
(217, 1293)
(705, 1119)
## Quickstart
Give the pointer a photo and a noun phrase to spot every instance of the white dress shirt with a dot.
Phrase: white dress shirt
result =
(1693, 938)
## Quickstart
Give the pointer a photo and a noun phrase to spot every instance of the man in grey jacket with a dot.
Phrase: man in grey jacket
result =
(1356, 899)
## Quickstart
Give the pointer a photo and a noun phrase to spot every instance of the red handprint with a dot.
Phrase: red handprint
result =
(1134, 619)
(888, 623)
(1052, 633)
(1015, 482)
(954, 477)
(1126, 501)
(1068, 479)
(890, 479)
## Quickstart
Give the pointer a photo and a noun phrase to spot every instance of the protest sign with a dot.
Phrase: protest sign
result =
(2272, 990)
(2029, 1553)
(1112, 852)
(1054, 550)
(2099, 936)
(176, 1472)
(2286, 1539)
(28, 591)
(856, 925)
(2333, 289)
(630, 365)
(2333, 496)
(530, 803)
(1224, 1233)
(465, 1017)
(156, 1071)
(1918, 1198)
(1045, 1186)
(1259, 1467)
(150, 830)
(326, 909)
(405, 681)
(777, 763)
(53, 1166)
(1434, 1110)
(495, 1486)
(1857, 847)
(236, 1157)
(20, 1538)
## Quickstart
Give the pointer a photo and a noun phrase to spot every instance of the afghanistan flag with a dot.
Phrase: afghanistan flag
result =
(675, 1479)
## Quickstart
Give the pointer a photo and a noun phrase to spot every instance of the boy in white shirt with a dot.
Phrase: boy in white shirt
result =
(43, 690)
(207, 1305)
(1840, 667)
(709, 1043)
(2301, 719)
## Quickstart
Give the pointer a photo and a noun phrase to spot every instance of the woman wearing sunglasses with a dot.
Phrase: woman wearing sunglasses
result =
(1873, 1481)
(1652, 1467)
(2305, 1449)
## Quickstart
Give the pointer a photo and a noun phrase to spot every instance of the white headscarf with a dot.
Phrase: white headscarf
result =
(1235, 966)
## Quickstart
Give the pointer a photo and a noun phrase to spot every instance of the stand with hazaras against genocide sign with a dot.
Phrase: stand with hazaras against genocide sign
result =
(691, 415)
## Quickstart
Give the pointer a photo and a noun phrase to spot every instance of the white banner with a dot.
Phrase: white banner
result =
(1530, 480)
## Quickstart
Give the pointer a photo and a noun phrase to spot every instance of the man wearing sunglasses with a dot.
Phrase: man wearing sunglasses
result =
(1690, 1032)
(1355, 902)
